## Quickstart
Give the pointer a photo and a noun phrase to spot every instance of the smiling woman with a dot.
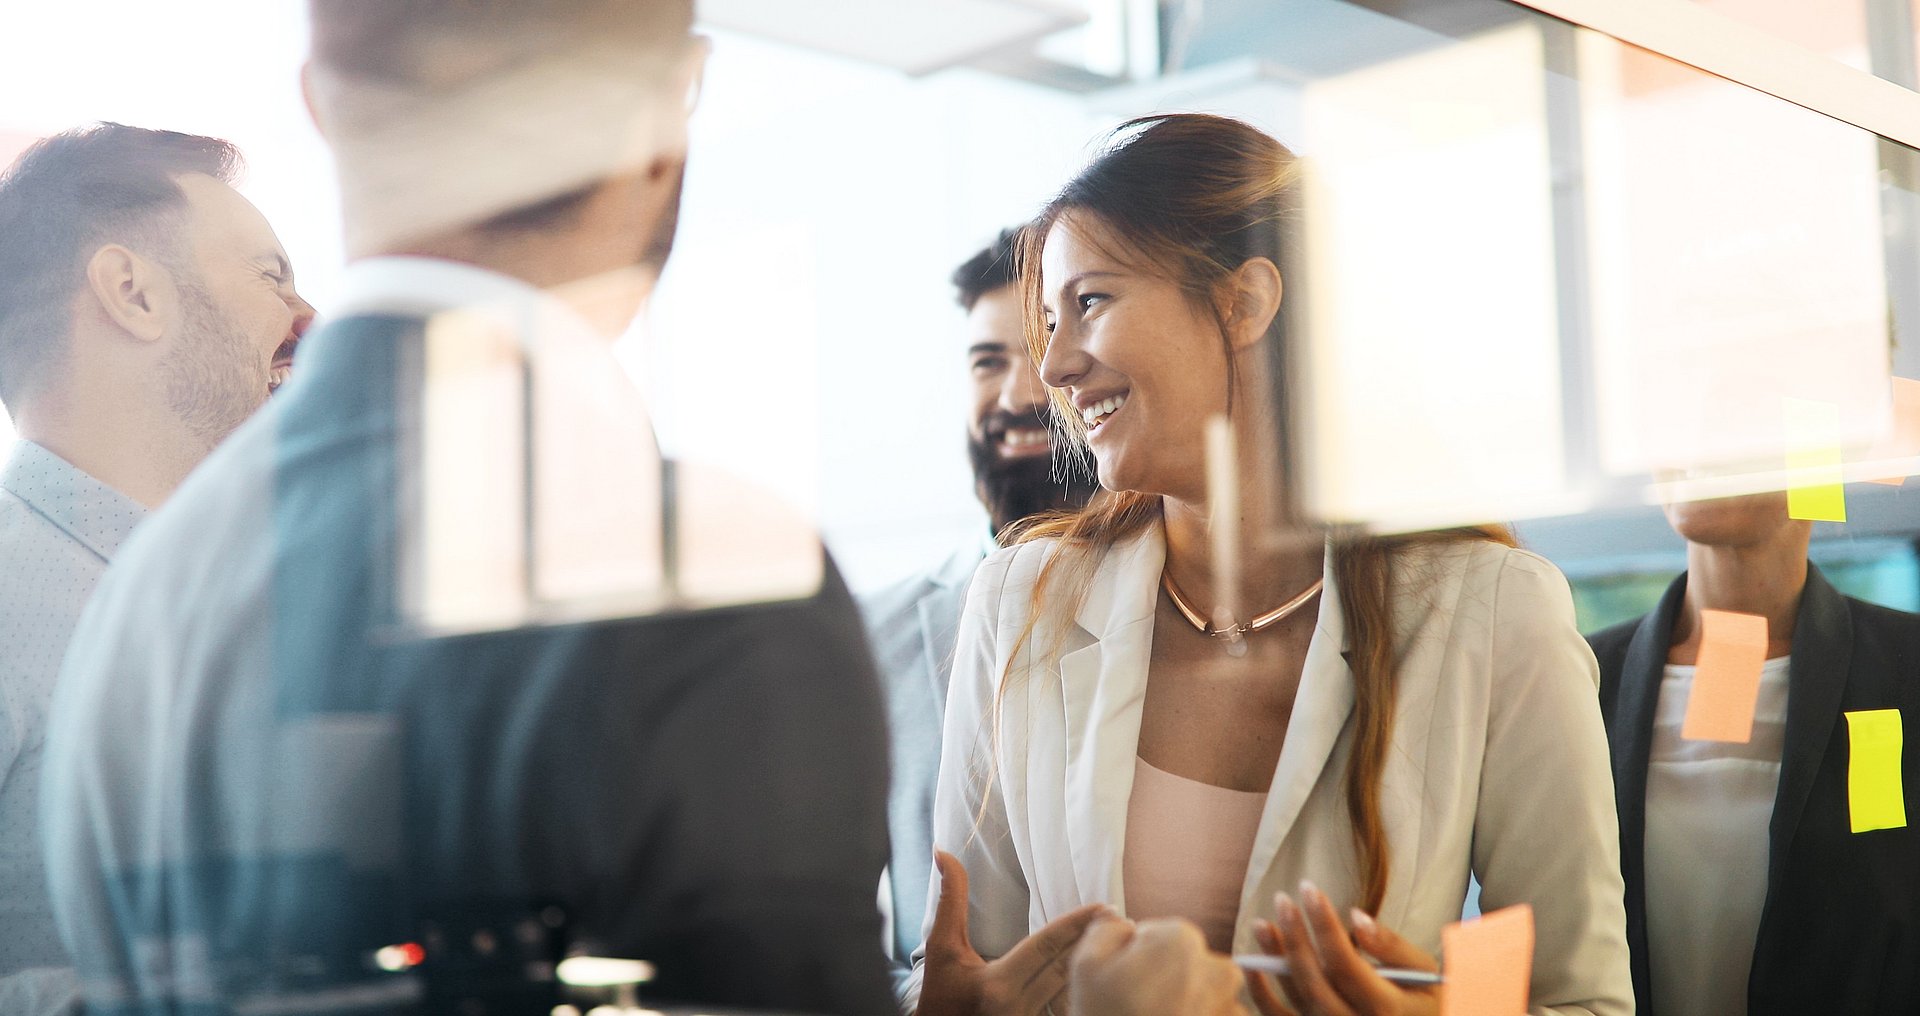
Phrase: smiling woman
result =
(1375, 747)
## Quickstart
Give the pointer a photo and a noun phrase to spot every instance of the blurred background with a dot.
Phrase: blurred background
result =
(1547, 268)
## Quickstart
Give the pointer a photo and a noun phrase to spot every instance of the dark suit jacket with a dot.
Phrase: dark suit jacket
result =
(1840, 931)
(704, 790)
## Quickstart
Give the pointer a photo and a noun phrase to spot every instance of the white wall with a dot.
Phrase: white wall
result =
(808, 328)
(804, 333)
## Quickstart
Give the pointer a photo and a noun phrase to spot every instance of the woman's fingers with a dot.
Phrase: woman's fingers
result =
(1384, 944)
(1307, 983)
(1107, 935)
(1266, 998)
(949, 930)
(1348, 972)
(1037, 968)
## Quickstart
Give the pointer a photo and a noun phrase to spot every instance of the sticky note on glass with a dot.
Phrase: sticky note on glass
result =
(1905, 441)
(1814, 463)
(1489, 964)
(1726, 681)
(1875, 798)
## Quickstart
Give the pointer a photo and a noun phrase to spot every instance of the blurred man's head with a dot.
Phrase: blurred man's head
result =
(1748, 520)
(486, 128)
(1007, 433)
(136, 283)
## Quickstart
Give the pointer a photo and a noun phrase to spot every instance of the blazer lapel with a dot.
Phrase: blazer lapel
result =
(1320, 712)
(1103, 686)
(1630, 737)
(1816, 681)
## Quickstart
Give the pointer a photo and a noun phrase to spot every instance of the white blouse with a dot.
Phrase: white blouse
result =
(1709, 805)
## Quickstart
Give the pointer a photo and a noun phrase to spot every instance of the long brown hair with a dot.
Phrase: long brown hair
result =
(1195, 197)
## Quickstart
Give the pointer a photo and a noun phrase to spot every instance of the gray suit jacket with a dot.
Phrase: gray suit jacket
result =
(911, 626)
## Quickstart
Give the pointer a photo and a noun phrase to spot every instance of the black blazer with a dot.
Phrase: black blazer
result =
(1840, 932)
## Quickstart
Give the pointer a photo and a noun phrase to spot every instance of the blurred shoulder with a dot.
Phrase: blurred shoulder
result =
(1480, 563)
(945, 581)
(1010, 571)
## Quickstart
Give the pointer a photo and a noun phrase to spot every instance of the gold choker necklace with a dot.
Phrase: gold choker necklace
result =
(1233, 634)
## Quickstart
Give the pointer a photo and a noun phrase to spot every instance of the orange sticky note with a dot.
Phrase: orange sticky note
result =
(1489, 964)
(1726, 683)
(1905, 442)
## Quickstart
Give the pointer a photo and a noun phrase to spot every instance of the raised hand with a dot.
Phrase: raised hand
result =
(1030, 977)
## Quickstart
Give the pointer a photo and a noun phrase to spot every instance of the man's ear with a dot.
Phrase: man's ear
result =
(1250, 299)
(132, 292)
(306, 96)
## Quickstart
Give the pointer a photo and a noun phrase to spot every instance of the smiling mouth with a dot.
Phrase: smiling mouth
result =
(1022, 442)
(281, 369)
(1097, 415)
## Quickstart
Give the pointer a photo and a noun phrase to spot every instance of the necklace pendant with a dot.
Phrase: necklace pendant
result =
(1236, 644)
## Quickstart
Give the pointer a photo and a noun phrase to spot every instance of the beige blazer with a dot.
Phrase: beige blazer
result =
(1498, 765)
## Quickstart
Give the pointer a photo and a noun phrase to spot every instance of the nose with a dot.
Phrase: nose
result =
(303, 314)
(1021, 390)
(1065, 361)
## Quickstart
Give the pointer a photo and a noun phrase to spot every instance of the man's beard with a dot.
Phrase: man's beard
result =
(216, 375)
(1013, 489)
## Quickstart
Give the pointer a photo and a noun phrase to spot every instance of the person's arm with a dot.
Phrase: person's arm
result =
(981, 955)
(1545, 832)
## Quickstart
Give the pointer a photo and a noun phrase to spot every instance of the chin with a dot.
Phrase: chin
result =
(1118, 479)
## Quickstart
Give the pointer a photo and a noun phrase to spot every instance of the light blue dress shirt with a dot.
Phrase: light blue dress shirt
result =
(58, 529)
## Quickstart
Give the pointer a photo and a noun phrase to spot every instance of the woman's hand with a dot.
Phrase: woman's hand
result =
(1031, 977)
(1331, 975)
(1155, 968)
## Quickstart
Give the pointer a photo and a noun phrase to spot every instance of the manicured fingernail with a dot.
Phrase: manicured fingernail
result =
(1362, 922)
(1284, 906)
(1278, 937)
(1310, 893)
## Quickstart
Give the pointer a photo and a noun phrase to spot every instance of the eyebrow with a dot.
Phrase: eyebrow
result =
(1084, 276)
(986, 347)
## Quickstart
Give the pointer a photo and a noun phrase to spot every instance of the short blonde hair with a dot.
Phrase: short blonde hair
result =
(449, 114)
(442, 43)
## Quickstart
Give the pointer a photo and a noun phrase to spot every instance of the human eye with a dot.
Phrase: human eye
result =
(987, 363)
(1088, 300)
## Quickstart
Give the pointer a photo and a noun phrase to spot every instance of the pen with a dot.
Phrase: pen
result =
(1277, 965)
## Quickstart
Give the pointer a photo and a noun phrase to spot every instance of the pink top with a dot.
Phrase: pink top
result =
(1187, 848)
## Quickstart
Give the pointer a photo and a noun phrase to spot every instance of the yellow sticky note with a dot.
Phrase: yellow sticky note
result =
(1726, 681)
(1814, 461)
(1905, 440)
(1489, 964)
(1875, 799)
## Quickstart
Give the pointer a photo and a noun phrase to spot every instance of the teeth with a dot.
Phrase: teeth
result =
(1104, 407)
(1024, 437)
(278, 376)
